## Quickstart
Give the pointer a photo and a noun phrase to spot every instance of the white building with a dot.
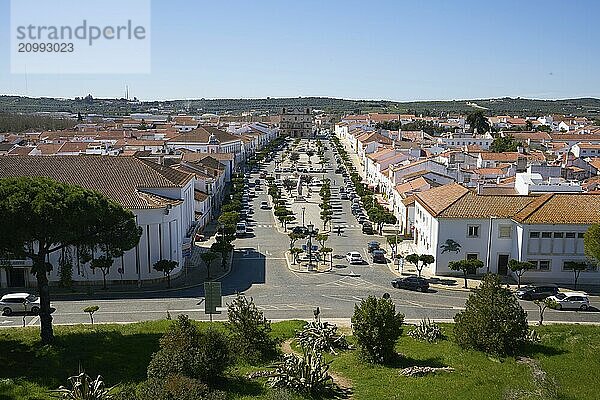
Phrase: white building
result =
(161, 198)
(531, 183)
(452, 222)
(207, 139)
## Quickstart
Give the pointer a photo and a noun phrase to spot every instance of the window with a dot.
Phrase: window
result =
(473, 231)
(534, 234)
(580, 235)
(570, 235)
(504, 231)
(541, 265)
(558, 235)
(546, 235)
(472, 256)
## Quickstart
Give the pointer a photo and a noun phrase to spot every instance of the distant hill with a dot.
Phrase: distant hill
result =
(589, 107)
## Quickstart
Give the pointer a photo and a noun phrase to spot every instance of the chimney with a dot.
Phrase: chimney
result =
(520, 150)
(479, 188)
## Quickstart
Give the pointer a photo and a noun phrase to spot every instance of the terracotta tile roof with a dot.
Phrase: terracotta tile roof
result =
(473, 206)
(437, 199)
(74, 147)
(588, 145)
(595, 162)
(489, 171)
(48, 149)
(190, 156)
(20, 151)
(123, 179)
(200, 196)
(412, 185)
(201, 135)
(554, 208)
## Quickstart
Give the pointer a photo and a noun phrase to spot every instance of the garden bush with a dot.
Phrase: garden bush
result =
(377, 326)
(493, 321)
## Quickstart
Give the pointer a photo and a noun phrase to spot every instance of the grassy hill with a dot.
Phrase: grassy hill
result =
(589, 107)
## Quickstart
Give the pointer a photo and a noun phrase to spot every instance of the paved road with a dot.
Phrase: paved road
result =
(260, 270)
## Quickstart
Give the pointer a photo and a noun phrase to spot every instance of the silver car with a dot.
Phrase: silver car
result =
(19, 302)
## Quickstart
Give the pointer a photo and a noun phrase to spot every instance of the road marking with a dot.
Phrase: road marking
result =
(33, 321)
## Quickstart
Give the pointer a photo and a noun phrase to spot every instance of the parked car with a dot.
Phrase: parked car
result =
(240, 229)
(264, 205)
(571, 300)
(343, 196)
(361, 219)
(354, 257)
(19, 302)
(373, 245)
(300, 230)
(262, 175)
(367, 228)
(378, 256)
(540, 292)
(411, 283)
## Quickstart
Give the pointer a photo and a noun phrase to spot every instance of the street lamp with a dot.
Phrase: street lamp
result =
(303, 209)
(310, 228)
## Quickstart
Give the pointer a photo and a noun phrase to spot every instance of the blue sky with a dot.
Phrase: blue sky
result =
(397, 50)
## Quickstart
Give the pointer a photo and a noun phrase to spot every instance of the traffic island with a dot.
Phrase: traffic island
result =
(305, 266)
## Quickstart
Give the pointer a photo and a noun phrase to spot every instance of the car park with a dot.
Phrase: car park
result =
(538, 292)
(19, 302)
(570, 301)
(411, 283)
(354, 257)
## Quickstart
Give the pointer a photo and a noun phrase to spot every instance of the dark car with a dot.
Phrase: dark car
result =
(378, 256)
(537, 292)
(300, 230)
(371, 246)
(367, 228)
(411, 283)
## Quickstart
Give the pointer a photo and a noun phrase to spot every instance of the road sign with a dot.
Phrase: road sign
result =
(212, 296)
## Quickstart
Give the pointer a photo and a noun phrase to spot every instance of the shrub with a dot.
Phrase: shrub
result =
(321, 336)
(493, 321)
(250, 330)
(186, 351)
(175, 387)
(427, 331)
(377, 326)
(307, 374)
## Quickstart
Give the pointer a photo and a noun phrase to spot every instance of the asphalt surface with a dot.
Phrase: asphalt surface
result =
(260, 270)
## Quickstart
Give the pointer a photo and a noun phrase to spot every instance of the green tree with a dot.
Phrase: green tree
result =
(493, 321)
(41, 216)
(426, 259)
(591, 242)
(466, 266)
(294, 156)
(91, 310)
(294, 237)
(519, 268)
(250, 330)
(477, 120)
(295, 253)
(542, 306)
(394, 241)
(381, 216)
(377, 326)
(103, 263)
(208, 257)
(166, 267)
(577, 267)
(507, 143)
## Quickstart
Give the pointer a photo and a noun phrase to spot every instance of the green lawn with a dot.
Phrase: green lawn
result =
(120, 353)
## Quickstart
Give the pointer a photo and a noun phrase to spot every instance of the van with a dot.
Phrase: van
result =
(240, 229)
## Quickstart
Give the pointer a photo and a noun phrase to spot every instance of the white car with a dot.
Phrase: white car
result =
(354, 257)
(240, 229)
(571, 300)
(19, 302)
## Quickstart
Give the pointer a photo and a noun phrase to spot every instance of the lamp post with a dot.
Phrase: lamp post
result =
(303, 209)
(310, 228)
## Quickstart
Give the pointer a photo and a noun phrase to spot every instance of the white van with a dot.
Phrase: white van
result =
(240, 229)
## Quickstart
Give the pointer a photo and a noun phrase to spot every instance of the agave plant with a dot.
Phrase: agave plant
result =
(427, 331)
(321, 336)
(307, 374)
(84, 388)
